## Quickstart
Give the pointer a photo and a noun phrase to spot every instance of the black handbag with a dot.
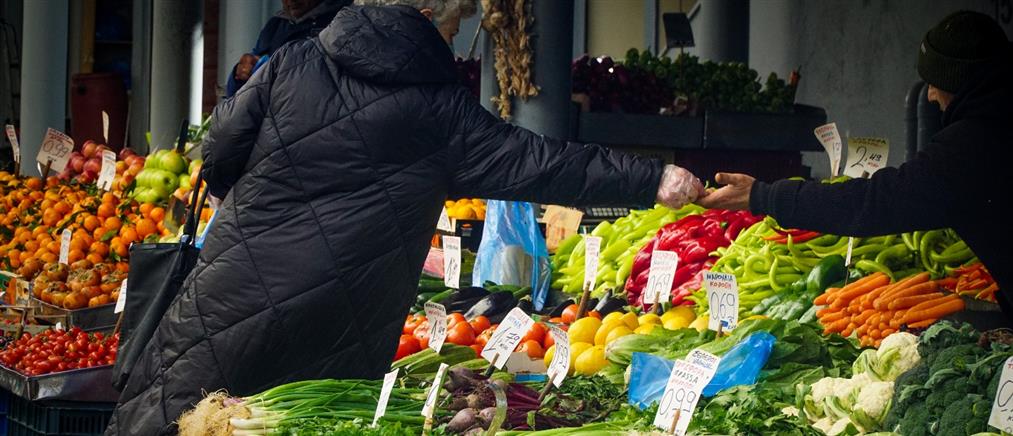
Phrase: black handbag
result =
(157, 272)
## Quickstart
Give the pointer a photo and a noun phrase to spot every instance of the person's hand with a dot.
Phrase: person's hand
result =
(244, 69)
(678, 187)
(733, 196)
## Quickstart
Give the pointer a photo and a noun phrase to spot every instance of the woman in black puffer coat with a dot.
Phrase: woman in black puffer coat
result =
(333, 163)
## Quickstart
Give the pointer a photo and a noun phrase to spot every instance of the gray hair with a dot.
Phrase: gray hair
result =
(443, 10)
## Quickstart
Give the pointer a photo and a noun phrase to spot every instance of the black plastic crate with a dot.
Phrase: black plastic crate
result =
(57, 418)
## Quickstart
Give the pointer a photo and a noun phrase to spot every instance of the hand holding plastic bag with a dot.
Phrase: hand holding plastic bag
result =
(513, 250)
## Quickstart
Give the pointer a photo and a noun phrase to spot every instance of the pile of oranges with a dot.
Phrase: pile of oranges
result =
(466, 209)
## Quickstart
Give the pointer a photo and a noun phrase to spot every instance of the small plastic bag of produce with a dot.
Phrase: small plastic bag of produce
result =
(742, 364)
(513, 250)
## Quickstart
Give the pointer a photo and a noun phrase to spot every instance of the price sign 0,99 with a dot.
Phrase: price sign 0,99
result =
(866, 156)
(560, 363)
(660, 276)
(436, 314)
(680, 397)
(592, 247)
(452, 261)
(723, 298)
(108, 172)
(56, 148)
(506, 337)
(1002, 407)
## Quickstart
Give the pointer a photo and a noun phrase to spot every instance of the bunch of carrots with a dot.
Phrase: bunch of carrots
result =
(872, 308)
(974, 281)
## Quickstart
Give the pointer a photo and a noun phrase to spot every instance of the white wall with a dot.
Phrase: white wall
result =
(858, 57)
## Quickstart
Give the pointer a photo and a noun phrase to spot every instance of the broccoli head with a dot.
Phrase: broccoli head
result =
(945, 334)
(908, 390)
(957, 357)
(917, 421)
(968, 415)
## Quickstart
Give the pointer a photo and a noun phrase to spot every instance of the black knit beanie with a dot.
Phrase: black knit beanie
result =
(958, 47)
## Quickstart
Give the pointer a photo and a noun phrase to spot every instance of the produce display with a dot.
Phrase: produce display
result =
(974, 281)
(466, 209)
(59, 350)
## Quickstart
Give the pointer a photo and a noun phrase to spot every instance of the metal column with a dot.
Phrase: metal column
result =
(43, 75)
(239, 26)
(175, 30)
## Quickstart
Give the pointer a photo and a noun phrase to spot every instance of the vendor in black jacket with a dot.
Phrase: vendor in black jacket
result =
(961, 181)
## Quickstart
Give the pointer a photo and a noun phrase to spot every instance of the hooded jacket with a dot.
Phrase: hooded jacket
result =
(960, 181)
(334, 162)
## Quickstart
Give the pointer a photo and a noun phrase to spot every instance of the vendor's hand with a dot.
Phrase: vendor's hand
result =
(678, 187)
(733, 196)
(244, 69)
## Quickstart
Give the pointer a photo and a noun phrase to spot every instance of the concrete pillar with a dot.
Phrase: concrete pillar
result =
(175, 31)
(773, 36)
(43, 75)
(140, 77)
(239, 27)
(548, 113)
(721, 31)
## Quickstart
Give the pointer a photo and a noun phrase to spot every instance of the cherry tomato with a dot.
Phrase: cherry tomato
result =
(570, 314)
(406, 346)
(479, 324)
(461, 334)
(533, 348)
(411, 323)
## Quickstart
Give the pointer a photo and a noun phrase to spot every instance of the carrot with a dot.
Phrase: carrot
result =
(849, 329)
(822, 299)
(832, 317)
(933, 303)
(884, 325)
(877, 343)
(936, 311)
(947, 282)
(918, 289)
(858, 288)
(894, 323)
(873, 320)
(831, 294)
(836, 326)
(913, 300)
(922, 324)
(870, 298)
(916, 279)
(988, 293)
(824, 311)
(874, 334)
(888, 332)
(861, 318)
(865, 342)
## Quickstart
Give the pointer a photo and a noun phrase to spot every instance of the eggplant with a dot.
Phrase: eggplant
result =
(554, 298)
(526, 305)
(493, 305)
(609, 305)
(469, 293)
(560, 307)
(462, 305)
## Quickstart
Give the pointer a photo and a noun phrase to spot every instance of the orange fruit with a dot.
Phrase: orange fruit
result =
(75, 255)
(99, 248)
(62, 207)
(94, 258)
(53, 246)
(78, 243)
(106, 210)
(157, 214)
(145, 209)
(97, 234)
(145, 227)
(25, 256)
(119, 248)
(113, 223)
(33, 183)
(91, 223)
(128, 235)
(123, 267)
(32, 246)
(108, 198)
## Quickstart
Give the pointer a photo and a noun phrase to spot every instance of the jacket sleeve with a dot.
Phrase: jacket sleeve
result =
(915, 196)
(490, 158)
(235, 124)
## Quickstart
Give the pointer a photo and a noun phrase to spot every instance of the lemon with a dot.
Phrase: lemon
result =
(679, 312)
(676, 323)
(618, 332)
(645, 329)
(649, 318)
(576, 349)
(591, 360)
(614, 316)
(631, 320)
(548, 355)
(583, 330)
(700, 324)
(603, 331)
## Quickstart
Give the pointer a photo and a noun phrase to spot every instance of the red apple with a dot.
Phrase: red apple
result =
(100, 149)
(126, 178)
(66, 174)
(93, 165)
(76, 163)
(125, 153)
(135, 169)
(88, 148)
(134, 160)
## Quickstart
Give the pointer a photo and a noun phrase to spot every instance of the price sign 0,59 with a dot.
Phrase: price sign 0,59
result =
(592, 247)
(452, 261)
(56, 148)
(1002, 407)
(506, 337)
(723, 298)
(680, 397)
(436, 314)
(660, 276)
(560, 363)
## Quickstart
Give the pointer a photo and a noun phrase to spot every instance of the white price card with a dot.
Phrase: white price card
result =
(388, 385)
(59, 326)
(709, 362)
(851, 247)
(444, 224)
(506, 337)
(65, 246)
(592, 247)
(866, 156)
(121, 299)
(660, 276)
(12, 136)
(56, 148)
(680, 397)
(1002, 407)
(452, 261)
(560, 364)
(105, 126)
(436, 314)
(831, 140)
(108, 172)
(434, 392)
(723, 299)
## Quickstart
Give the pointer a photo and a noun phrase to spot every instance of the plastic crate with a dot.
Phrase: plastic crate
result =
(57, 418)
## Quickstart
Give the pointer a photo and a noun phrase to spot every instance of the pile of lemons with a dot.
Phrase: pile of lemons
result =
(466, 209)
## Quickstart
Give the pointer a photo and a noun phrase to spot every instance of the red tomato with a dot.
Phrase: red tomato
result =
(406, 346)
(570, 314)
(556, 320)
(535, 333)
(549, 341)
(594, 314)
(461, 334)
(533, 348)
(478, 349)
(411, 323)
(454, 318)
(479, 324)
(422, 334)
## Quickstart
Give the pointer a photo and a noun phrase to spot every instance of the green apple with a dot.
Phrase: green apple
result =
(195, 165)
(144, 178)
(164, 181)
(172, 162)
(146, 195)
(154, 160)
(184, 181)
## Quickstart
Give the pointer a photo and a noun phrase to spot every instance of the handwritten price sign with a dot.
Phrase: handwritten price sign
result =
(723, 297)
(108, 172)
(681, 395)
(506, 337)
(660, 276)
(1002, 407)
(830, 138)
(866, 156)
(592, 247)
(436, 314)
(452, 261)
(560, 364)
(56, 148)
(12, 136)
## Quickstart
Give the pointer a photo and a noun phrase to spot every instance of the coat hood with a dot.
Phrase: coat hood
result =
(388, 44)
(988, 96)
(323, 8)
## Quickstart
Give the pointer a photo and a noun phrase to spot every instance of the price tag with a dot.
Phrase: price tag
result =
(560, 364)
(12, 136)
(59, 326)
(388, 385)
(851, 246)
(681, 395)
(723, 297)
(436, 314)
(506, 337)
(444, 224)
(452, 261)
(866, 156)
(108, 172)
(592, 247)
(121, 300)
(65, 246)
(56, 148)
(434, 392)
(1002, 407)
(660, 276)
(105, 126)
(560, 223)
(705, 360)
(831, 140)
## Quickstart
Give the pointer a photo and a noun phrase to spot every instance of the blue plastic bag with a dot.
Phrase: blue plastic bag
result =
(513, 250)
(739, 366)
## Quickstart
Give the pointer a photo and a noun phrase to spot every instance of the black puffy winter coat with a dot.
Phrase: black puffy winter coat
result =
(333, 163)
